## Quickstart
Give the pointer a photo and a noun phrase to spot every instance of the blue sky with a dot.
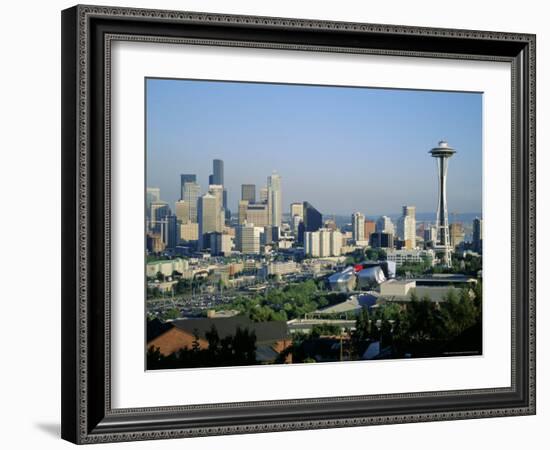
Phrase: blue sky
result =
(342, 149)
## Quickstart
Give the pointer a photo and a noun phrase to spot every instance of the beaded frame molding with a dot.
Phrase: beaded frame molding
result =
(87, 35)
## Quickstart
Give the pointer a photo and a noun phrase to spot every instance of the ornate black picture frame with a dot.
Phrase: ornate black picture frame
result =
(87, 34)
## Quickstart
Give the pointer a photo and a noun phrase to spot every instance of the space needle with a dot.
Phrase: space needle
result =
(442, 245)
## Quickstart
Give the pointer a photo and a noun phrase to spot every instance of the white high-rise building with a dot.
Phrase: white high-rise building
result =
(275, 199)
(323, 242)
(217, 191)
(209, 216)
(336, 239)
(406, 227)
(385, 225)
(358, 226)
(247, 238)
(191, 194)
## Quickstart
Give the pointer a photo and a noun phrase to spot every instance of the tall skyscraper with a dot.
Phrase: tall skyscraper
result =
(243, 205)
(169, 231)
(159, 210)
(182, 211)
(248, 193)
(186, 178)
(358, 226)
(385, 225)
(312, 221)
(478, 235)
(217, 172)
(263, 194)
(209, 217)
(443, 245)
(217, 191)
(275, 199)
(406, 227)
(191, 194)
(370, 227)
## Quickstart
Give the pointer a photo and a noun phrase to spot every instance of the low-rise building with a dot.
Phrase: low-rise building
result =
(406, 256)
(166, 267)
(282, 268)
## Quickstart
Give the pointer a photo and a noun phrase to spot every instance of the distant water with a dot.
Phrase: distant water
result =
(344, 222)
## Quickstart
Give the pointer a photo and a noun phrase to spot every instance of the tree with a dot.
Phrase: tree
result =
(172, 313)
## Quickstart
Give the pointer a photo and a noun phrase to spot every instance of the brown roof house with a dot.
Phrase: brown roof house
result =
(272, 338)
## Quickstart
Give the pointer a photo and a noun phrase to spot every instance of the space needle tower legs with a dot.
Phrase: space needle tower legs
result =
(442, 245)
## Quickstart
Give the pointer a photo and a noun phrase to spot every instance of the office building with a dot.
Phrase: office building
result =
(221, 244)
(186, 178)
(477, 241)
(257, 214)
(169, 231)
(247, 238)
(217, 172)
(254, 213)
(263, 194)
(152, 196)
(275, 199)
(430, 234)
(406, 227)
(182, 211)
(209, 217)
(248, 193)
(189, 231)
(370, 227)
(191, 194)
(322, 243)
(217, 191)
(155, 243)
(407, 256)
(312, 221)
(358, 226)
(381, 240)
(384, 225)
(297, 209)
(158, 211)
(243, 205)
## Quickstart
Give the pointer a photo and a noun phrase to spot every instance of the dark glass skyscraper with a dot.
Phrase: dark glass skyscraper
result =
(248, 193)
(313, 220)
(217, 173)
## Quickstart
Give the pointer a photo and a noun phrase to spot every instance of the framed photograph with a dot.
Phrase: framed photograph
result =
(278, 224)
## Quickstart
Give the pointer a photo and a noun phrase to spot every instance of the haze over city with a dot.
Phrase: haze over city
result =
(342, 149)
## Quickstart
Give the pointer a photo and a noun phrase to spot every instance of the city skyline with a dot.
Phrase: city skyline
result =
(284, 277)
(170, 148)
